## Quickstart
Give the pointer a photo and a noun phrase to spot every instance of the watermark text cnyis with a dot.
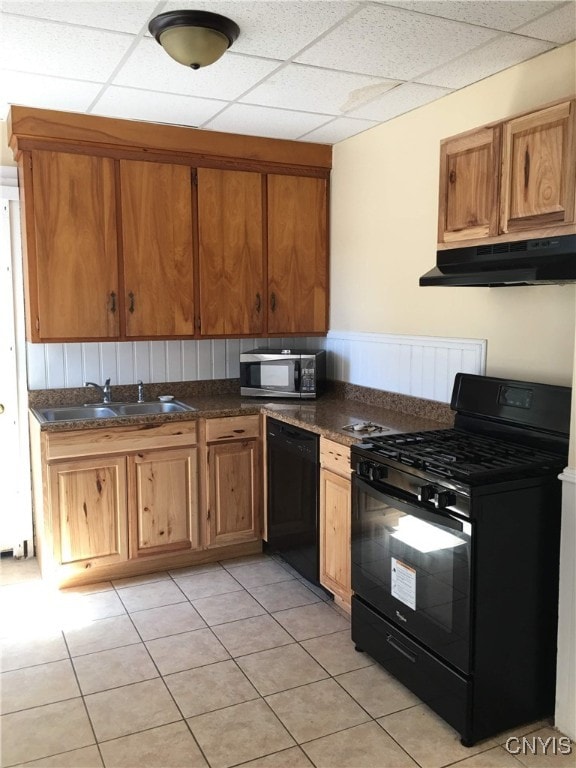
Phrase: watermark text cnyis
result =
(538, 745)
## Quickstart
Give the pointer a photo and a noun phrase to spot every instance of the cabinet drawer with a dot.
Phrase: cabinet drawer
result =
(334, 456)
(111, 440)
(232, 427)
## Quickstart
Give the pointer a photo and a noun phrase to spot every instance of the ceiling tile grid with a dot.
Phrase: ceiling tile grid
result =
(311, 70)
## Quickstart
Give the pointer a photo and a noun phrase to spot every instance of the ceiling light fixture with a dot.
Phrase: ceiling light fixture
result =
(194, 38)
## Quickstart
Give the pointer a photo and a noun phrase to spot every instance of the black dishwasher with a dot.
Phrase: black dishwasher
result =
(293, 484)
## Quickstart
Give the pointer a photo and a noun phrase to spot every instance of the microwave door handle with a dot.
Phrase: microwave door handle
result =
(297, 376)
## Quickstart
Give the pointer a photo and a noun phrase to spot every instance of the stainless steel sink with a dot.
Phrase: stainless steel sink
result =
(141, 409)
(111, 411)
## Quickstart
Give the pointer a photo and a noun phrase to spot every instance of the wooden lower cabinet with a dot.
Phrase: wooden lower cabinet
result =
(88, 505)
(122, 501)
(234, 484)
(335, 520)
(163, 501)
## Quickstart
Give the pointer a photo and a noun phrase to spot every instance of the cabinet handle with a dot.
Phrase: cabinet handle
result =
(452, 177)
(273, 302)
(526, 168)
(112, 302)
(258, 302)
(131, 297)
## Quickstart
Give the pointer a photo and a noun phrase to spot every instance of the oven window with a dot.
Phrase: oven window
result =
(415, 571)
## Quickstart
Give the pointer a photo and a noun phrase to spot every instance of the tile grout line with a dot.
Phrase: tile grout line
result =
(184, 720)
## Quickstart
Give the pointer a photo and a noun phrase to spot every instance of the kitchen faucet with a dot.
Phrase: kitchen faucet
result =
(105, 391)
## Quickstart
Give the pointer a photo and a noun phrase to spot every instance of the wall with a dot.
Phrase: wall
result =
(384, 200)
(5, 151)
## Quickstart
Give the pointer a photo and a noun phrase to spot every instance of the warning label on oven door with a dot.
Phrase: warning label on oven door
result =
(404, 583)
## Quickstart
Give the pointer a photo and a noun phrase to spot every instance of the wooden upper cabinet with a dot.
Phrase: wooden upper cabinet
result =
(231, 256)
(297, 254)
(469, 170)
(71, 246)
(539, 169)
(120, 244)
(156, 204)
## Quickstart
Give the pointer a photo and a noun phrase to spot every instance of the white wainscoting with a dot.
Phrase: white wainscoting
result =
(421, 366)
(51, 366)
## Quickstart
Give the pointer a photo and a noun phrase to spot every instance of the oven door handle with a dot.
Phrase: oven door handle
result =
(414, 508)
(397, 647)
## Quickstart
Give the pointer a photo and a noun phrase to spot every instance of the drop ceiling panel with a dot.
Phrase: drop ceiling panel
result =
(557, 26)
(263, 121)
(493, 57)
(402, 99)
(150, 67)
(119, 16)
(317, 90)
(42, 91)
(393, 43)
(51, 48)
(156, 107)
(505, 15)
(339, 129)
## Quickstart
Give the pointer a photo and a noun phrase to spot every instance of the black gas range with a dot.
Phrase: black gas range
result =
(455, 550)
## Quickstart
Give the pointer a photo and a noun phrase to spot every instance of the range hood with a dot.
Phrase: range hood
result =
(523, 262)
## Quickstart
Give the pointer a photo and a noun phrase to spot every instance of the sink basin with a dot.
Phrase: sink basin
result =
(75, 412)
(141, 409)
(111, 411)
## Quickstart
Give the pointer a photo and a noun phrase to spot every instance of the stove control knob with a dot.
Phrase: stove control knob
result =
(426, 492)
(443, 499)
(372, 471)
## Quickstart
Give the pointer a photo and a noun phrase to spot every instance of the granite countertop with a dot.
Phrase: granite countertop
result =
(344, 404)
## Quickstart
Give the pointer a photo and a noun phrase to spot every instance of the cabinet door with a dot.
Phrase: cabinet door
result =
(335, 514)
(164, 501)
(539, 169)
(88, 507)
(469, 172)
(71, 247)
(231, 260)
(234, 492)
(297, 255)
(157, 248)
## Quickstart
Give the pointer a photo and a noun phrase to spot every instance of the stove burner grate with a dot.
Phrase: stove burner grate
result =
(453, 453)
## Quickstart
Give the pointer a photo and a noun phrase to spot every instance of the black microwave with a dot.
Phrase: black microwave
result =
(282, 373)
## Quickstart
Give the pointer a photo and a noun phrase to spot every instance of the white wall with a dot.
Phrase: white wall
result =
(384, 201)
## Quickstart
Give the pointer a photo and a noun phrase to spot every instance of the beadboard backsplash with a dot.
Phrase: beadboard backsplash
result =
(421, 366)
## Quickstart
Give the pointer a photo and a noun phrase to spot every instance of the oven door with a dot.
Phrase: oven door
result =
(413, 565)
(269, 376)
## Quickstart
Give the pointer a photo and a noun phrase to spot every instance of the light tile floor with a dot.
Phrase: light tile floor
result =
(235, 663)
